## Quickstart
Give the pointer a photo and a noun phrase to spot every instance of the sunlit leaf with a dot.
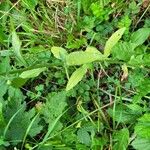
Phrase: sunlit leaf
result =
(80, 57)
(76, 77)
(59, 52)
(113, 40)
(142, 128)
(32, 73)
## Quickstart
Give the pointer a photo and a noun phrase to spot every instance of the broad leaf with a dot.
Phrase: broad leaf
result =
(140, 36)
(32, 73)
(121, 139)
(123, 51)
(59, 52)
(142, 128)
(92, 49)
(140, 143)
(84, 137)
(80, 57)
(76, 77)
(123, 114)
(112, 41)
(16, 43)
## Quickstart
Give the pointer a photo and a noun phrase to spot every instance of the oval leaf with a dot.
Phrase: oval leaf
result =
(140, 36)
(112, 41)
(32, 73)
(80, 58)
(59, 52)
(76, 77)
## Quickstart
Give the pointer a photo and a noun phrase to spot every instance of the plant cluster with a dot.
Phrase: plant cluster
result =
(74, 74)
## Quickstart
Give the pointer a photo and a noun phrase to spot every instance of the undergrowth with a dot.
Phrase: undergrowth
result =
(74, 74)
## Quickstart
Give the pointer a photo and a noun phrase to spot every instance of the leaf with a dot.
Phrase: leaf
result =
(121, 139)
(140, 143)
(18, 119)
(80, 58)
(92, 49)
(3, 36)
(59, 52)
(16, 43)
(2, 120)
(140, 36)
(18, 82)
(76, 77)
(124, 114)
(123, 50)
(32, 73)
(142, 128)
(30, 3)
(54, 106)
(112, 41)
(84, 137)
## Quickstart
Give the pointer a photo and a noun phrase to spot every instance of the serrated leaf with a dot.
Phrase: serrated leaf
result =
(16, 43)
(121, 139)
(123, 114)
(140, 36)
(140, 143)
(76, 77)
(80, 58)
(32, 73)
(84, 137)
(142, 128)
(59, 52)
(112, 41)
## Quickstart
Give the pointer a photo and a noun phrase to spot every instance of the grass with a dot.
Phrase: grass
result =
(91, 91)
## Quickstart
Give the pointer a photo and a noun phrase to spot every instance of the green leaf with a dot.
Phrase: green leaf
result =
(30, 4)
(80, 58)
(112, 41)
(140, 143)
(123, 51)
(84, 137)
(16, 43)
(142, 128)
(32, 73)
(123, 114)
(18, 82)
(18, 119)
(59, 52)
(2, 120)
(3, 36)
(54, 106)
(121, 139)
(92, 49)
(140, 36)
(76, 77)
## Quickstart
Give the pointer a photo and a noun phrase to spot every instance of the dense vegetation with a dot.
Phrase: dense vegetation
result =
(74, 74)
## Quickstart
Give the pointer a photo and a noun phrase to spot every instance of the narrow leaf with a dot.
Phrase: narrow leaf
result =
(32, 73)
(112, 41)
(16, 43)
(76, 77)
